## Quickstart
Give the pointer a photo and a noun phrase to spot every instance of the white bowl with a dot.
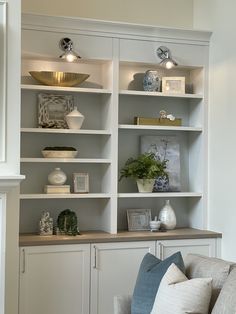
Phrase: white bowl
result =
(59, 153)
(155, 225)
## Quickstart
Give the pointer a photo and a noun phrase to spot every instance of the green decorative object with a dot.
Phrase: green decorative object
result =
(145, 166)
(144, 169)
(67, 223)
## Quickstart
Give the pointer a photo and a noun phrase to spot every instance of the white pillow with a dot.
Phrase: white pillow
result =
(178, 295)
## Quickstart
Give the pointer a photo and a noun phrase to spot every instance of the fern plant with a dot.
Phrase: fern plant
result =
(145, 166)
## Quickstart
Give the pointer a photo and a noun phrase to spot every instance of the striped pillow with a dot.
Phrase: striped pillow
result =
(179, 295)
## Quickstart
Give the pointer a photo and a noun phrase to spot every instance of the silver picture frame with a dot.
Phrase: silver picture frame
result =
(173, 85)
(52, 110)
(81, 182)
(138, 219)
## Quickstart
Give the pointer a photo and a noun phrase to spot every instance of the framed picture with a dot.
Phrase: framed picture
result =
(173, 85)
(164, 148)
(52, 110)
(81, 182)
(138, 219)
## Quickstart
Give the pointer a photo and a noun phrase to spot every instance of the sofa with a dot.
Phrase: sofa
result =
(223, 274)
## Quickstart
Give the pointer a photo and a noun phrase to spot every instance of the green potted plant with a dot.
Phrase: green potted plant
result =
(144, 169)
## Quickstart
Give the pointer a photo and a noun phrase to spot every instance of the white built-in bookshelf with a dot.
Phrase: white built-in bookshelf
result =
(109, 100)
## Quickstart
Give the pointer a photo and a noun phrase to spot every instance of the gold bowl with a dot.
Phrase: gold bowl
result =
(65, 79)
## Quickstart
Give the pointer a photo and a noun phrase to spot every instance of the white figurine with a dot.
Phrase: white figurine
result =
(46, 224)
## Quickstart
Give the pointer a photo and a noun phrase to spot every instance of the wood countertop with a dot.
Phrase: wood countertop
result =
(121, 236)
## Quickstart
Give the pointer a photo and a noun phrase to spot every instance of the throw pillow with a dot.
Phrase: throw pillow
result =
(151, 271)
(179, 295)
(198, 266)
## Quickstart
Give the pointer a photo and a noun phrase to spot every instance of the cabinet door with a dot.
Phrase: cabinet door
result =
(197, 246)
(55, 279)
(114, 270)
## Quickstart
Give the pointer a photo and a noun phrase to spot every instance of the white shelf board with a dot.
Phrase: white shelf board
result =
(56, 196)
(65, 131)
(160, 194)
(158, 94)
(65, 89)
(67, 160)
(159, 127)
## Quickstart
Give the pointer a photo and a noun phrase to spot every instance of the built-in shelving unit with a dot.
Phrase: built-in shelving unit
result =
(159, 128)
(67, 160)
(159, 94)
(110, 99)
(65, 196)
(160, 195)
(65, 89)
(65, 131)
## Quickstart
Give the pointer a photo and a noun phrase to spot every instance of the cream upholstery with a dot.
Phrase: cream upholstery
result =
(223, 274)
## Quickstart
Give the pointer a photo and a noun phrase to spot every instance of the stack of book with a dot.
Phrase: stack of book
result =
(57, 189)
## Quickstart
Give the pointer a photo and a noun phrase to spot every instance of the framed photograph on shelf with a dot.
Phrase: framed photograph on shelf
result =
(173, 85)
(164, 148)
(138, 219)
(81, 182)
(52, 110)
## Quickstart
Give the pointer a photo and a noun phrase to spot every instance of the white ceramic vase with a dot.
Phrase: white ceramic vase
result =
(167, 217)
(145, 185)
(57, 177)
(74, 119)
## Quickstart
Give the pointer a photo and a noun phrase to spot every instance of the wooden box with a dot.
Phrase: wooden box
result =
(156, 121)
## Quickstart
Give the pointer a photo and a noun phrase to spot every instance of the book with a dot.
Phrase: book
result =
(57, 189)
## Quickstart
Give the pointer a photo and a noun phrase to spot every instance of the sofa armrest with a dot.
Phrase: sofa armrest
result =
(122, 304)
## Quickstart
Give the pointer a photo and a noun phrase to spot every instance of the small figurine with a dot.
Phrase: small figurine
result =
(46, 224)
(164, 115)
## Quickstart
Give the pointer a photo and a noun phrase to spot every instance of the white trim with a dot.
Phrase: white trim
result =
(8, 182)
(2, 250)
(113, 29)
(4, 85)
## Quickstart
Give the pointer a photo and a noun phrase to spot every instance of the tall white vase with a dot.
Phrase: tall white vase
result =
(167, 217)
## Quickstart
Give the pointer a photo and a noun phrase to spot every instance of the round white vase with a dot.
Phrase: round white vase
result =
(145, 185)
(57, 177)
(74, 119)
(167, 217)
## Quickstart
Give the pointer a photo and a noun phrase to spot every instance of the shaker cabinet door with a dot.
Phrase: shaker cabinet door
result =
(114, 271)
(55, 279)
(205, 247)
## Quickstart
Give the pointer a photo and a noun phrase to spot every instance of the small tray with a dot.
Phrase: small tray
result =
(156, 121)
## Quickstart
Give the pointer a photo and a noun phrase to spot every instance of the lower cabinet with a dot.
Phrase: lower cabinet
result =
(205, 247)
(114, 271)
(84, 278)
(55, 279)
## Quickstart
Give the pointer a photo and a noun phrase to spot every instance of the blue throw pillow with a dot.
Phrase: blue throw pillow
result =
(151, 271)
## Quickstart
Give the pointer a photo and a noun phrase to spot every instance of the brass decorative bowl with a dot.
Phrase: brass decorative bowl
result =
(64, 79)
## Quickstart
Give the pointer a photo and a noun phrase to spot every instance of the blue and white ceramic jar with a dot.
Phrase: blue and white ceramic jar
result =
(151, 81)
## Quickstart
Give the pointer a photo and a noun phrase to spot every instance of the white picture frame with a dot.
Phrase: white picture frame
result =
(81, 182)
(173, 85)
(138, 219)
(52, 110)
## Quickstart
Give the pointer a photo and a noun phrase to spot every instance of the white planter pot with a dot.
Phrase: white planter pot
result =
(145, 185)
